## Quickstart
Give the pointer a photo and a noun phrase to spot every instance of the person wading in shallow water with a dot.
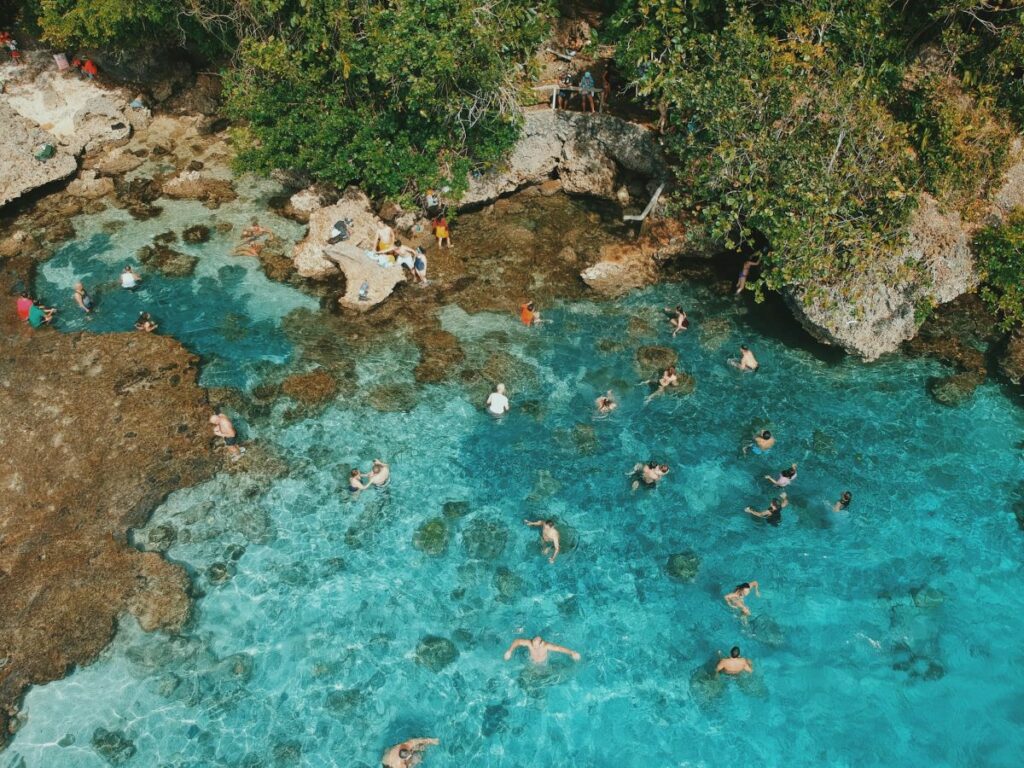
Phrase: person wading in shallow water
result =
(539, 649)
(222, 427)
(548, 535)
(735, 664)
(407, 754)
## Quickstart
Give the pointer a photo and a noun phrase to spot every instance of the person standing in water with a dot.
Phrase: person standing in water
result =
(747, 361)
(735, 598)
(649, 474)
(548, 535)
(222, 427)
(407, 754)
(129, 278)
(497, 402)
(763, 442)
(355, 481)
(83, 299)
(606, 403)
(735, 664)
(539, 649)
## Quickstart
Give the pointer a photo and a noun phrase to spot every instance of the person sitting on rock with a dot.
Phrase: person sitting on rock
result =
(735, 598)
(23, 306)
(89, 69)
(404, 255)
(419, 266)
(772, 515)
(539, 649)
(130, 279)
(145, 323)
(677, 319)
(223, 428)
(648, 474)
(340, 231)
(39, 315)
(548, 535)
(83, 299)
(747, 361)
(407, 754)
(735, 664)
(385, 239)
(606, 403)
(668, 378)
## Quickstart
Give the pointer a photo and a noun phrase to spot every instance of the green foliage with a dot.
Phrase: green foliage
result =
(103, 23)
(1000, 254)
(396, 96)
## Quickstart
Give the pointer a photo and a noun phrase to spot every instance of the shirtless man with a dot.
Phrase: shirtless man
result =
(735, 598)
(763, 442)
(548, 535)
(669, 378)
(407, 754)
(539, 649)
(774, 512)
(747, 361)
(649, 473)
(677, 319)
(843, 503)
(222, 427)
(606, 403)
(380, 473)
(735, 664)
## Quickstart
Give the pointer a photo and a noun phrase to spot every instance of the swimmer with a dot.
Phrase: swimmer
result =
(606, 403)
(669, 378)
(745, 272)
(649, 474)
(548, 535)
(735, 664)
(497, 402)
(774, 512)
(677, 319)
(785, 477)
(528, 314)
(380, 473)
(254, 230)
(407, 754)
(83, 299)
(843, 503)
(222, 427)
(735, 598)
(355, 482)
(129, 278)
(747, 361)
(763, 442)
(145, 323)
(539, 649)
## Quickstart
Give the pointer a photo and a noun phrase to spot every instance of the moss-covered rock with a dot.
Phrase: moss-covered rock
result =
(113, 746)
(431, 537)
(167, 260)
(683, 566)
(485, 539)
(197, 233)
(393, 398)
(507, 584)
(650, 359)
(453, 510)
(435, 653)
(312, 389)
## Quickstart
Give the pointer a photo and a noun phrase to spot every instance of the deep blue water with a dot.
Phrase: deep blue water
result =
(887, 635)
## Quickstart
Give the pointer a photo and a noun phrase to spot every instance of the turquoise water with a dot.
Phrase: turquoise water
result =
(887, 635)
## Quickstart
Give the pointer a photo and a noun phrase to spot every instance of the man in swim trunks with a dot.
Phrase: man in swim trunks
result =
(735, 664)
(222, 427)
(528, 314)
(763, 442)
(606, 403)
(497, 402)
(747, 361)
(548, 535)
(785, 477)
(741, 283)
(539, 649)
(772, 515)
(407, 754)
(735, 598)
(649, 474)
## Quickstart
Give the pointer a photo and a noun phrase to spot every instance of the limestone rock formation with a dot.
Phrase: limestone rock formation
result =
(589, 153)
(97, 430)
(872, 313)
(91, 186)
(20, 171)
(194, 185)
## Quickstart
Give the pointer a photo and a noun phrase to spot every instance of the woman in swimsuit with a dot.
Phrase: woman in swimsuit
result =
(785, 477)
(355, 482)
(843, 503)
(745, 271)
(83, 299)
(677, 319)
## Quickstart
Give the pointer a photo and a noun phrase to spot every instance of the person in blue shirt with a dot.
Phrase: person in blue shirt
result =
(587, 91)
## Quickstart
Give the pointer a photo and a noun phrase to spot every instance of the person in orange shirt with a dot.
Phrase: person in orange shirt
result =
(528, 314)
(444, 238)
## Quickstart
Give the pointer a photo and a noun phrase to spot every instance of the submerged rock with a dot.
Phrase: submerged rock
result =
(393, 398)
(435, 653)
(113, 746)
(193, 185)
(485, 539)
(167, 260)
(1011, 363)
(652, 359)
(455, 509)
(507, 584)
(431, 537)
(683, 566)
(197, 233)
(440, 355)
(312, 389)
(957, 389)
(345, 702)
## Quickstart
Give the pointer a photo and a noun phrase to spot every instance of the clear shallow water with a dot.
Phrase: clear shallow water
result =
(307, 655)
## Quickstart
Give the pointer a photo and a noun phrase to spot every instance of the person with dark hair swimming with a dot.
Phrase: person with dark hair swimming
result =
(747, 361)
(785, 477)
(843, 503)
(735, 664)
(772, 515)
(677, 319)
(407, 754)
(649, 474)
(763, 442)
(735, 598)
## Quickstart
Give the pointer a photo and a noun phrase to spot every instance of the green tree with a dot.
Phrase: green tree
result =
(1000, 253)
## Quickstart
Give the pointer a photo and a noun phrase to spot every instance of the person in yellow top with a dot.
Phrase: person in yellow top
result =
(385, 239)
(444, 238)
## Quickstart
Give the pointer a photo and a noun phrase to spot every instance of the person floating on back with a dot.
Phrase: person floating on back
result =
(735, 664)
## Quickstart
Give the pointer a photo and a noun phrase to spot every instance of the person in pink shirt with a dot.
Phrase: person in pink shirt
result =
(24, 305)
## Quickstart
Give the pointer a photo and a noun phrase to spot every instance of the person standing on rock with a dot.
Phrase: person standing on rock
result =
(441, 232)
(222, 427)
(419, 266)
(548, 535)
(407, 754)
(83, 299)
(497, 402)
(539, 649)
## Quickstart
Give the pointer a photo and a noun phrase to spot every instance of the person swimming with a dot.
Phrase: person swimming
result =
(747, 361)
(528, 314)
(497, 402)
(649, 474)
(145, 323)
(83, 299)
(772, 515)
(355, 481)
(539, 649)
(785, 477)
(843, 503)
(735, 664)
(407, 754)
(763, 442)
(677, 319)
(735, 598)
(380, 474)
(548, 535)
(606, 403)
(669, 378)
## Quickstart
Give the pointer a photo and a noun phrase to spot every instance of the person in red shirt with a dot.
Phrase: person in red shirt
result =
(528, 314)
(24, 305)
(89, 69)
